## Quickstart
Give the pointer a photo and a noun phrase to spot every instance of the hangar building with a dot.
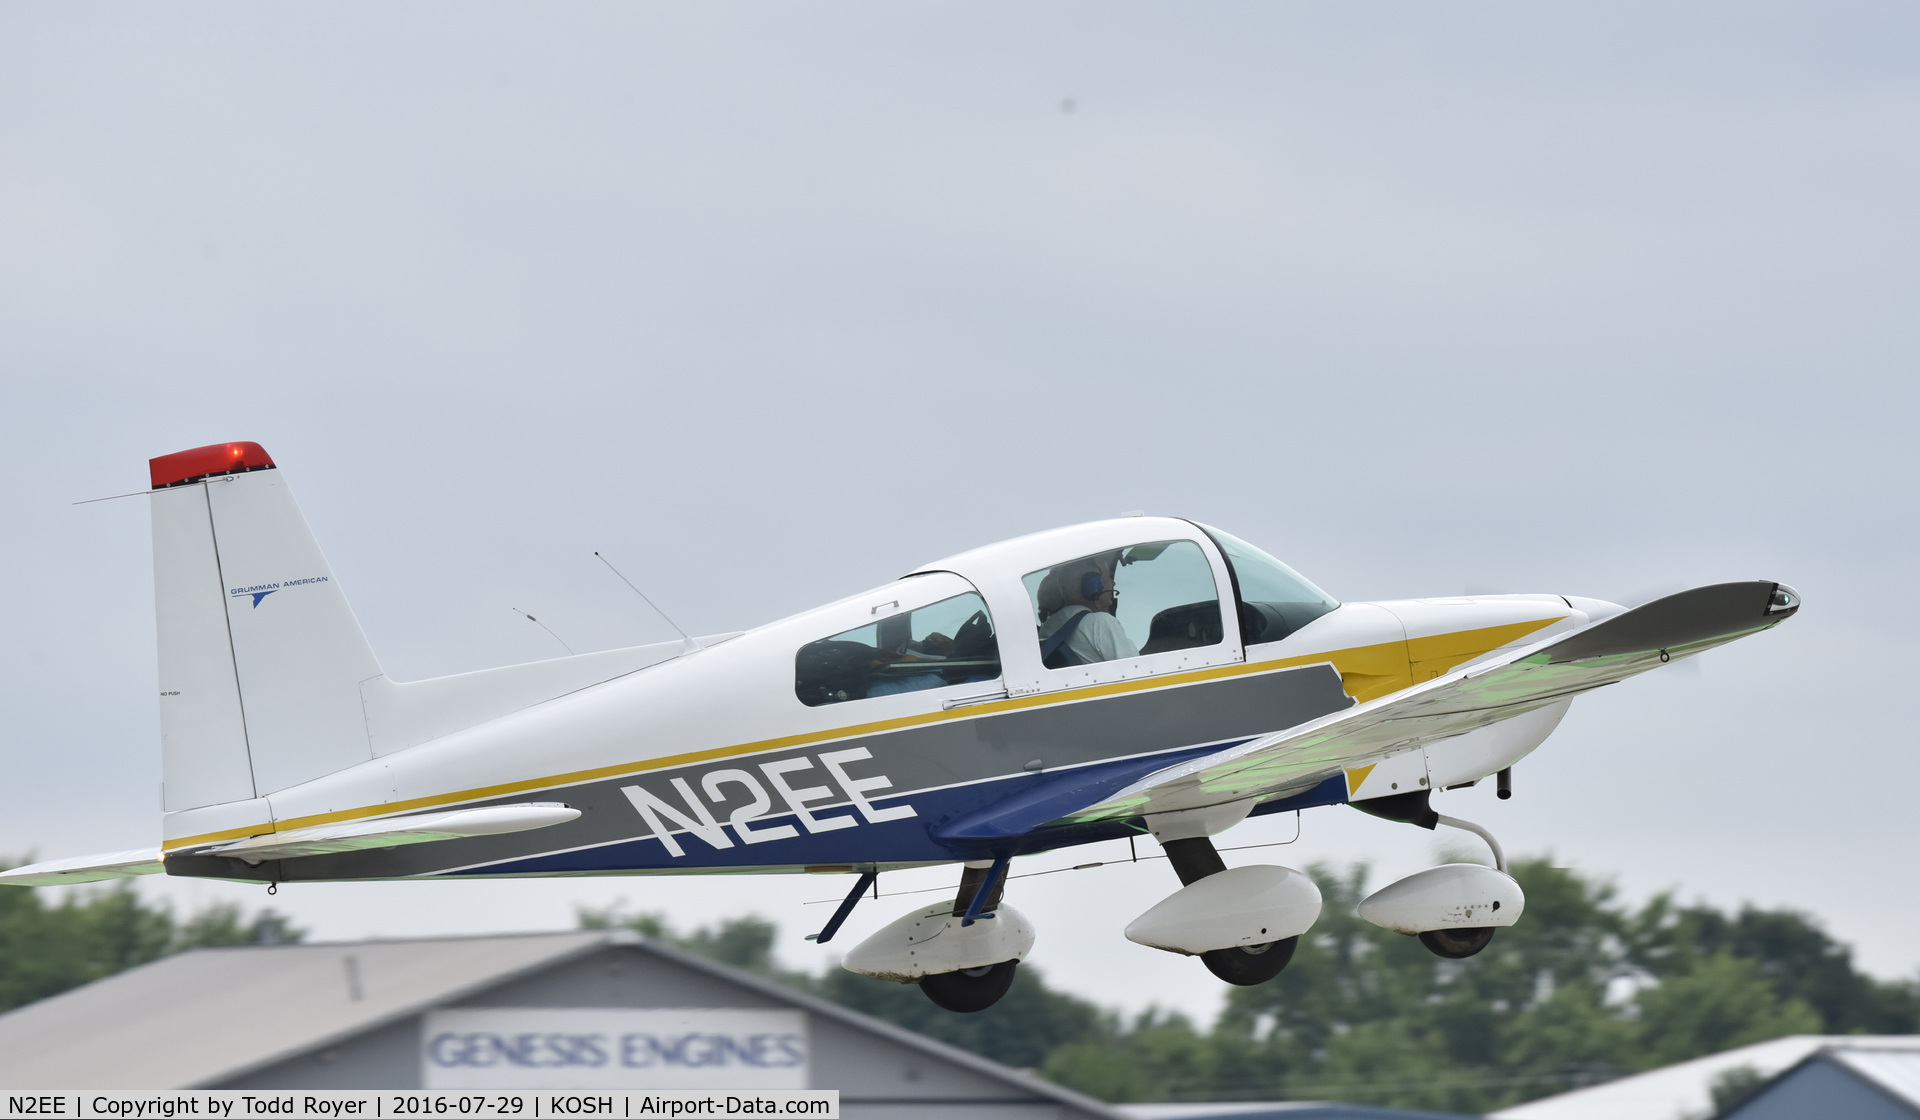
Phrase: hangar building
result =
(1864, 1076)
(598, 1009)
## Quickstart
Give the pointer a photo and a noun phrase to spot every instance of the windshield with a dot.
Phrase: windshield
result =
(1275, 600)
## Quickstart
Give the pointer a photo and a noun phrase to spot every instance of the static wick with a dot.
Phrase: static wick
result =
(543, 626)
(684, 636)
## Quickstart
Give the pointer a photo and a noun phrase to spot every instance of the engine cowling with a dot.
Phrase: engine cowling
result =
(1451, 896)
(1241, 906)
(932, 941)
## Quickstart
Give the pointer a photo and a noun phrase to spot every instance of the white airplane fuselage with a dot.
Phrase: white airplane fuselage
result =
(1139, 675)
(708, 761)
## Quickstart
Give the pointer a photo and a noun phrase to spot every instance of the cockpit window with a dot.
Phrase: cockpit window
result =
(1275, 600)
(1149, 598)
(943, 643)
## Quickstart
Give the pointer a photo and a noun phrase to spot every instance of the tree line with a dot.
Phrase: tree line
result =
(89, 935)
(1587, 988)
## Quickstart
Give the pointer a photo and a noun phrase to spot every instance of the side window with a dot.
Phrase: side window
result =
(943, 643)
(1149, 598)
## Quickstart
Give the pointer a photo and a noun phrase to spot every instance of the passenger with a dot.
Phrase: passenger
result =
(1077, 626)
(927, 652)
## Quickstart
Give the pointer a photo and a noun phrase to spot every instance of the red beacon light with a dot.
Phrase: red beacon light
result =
(210, 461)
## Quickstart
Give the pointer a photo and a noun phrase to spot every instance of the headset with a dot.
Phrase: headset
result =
(1091, 586)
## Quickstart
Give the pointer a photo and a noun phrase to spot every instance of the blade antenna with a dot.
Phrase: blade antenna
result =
(684, 636)
(543, 626)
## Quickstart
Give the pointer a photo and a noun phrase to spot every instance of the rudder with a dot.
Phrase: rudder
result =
(261, 659)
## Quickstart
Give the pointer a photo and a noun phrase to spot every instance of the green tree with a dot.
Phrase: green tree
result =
(1020, 1030)
(1721, 1002)
(89, 935)
(223, 923)
(1585, 989)
(1733, 1088)
(1790, 951)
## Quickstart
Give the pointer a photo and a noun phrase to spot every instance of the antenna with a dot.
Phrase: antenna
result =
(543, 626)
(684, 636)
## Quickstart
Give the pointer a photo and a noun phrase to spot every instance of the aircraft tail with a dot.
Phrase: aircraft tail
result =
(266, 680)
(261, 659)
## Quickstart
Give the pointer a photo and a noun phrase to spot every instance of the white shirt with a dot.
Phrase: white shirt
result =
(1099, 637)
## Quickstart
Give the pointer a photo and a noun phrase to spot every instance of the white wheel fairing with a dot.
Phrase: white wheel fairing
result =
(1237, 907)
(931, 941)
(1451, 896)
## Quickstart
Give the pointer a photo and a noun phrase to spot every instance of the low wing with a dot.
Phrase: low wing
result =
(318, 840)
(85, 869)
(1468, 698)
(391, 832)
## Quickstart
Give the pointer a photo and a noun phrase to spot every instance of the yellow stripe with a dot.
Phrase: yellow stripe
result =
(1357, 654)
(1439, 654)
(855, 730)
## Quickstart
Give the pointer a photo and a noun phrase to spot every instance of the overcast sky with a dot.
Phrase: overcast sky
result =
(773, 302)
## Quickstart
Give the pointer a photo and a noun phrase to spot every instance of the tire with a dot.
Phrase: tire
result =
(970, 989)
(1457, 944)
(1248, 965)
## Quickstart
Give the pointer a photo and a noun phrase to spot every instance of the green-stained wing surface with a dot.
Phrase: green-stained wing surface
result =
(1473, 696)
(85, 869)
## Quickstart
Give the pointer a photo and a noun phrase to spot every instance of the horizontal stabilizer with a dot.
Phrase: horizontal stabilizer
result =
(85, 869)
(391, 832)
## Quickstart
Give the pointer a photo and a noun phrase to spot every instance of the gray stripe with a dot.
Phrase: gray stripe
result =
(948, 753)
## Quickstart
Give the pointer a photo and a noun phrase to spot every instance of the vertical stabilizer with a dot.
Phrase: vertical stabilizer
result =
(261, 659)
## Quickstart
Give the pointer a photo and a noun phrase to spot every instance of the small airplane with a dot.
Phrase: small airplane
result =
(1138, 675)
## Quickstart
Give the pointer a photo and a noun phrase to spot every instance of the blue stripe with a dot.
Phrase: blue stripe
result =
(1002, 816)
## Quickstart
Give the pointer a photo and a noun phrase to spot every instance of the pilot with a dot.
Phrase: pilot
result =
(1077, 625)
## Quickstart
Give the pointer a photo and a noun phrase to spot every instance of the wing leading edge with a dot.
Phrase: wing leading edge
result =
(1469, 698)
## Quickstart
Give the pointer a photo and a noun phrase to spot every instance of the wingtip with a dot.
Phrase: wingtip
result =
(85, 869)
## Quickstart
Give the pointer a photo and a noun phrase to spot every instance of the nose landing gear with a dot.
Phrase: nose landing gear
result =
(1456, 944)
(1454, 909)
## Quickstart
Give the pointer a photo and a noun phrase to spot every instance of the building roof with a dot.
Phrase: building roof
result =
(1686, 1089)
(1894, 1070)
(1280, 1110)
(202, 1015)
(212, 1015)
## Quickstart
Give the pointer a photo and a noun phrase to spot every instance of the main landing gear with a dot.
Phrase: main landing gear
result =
(970, 989)
(1454, 909)
(1195, 859)
(980, 987)
(963, 953)
(1247, 965)
(1244, 923)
